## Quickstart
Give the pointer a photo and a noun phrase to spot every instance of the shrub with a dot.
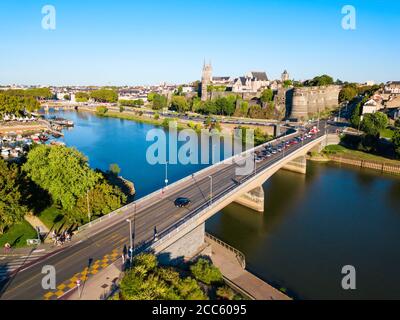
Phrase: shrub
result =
(205, 272)
(101, 110)
(225, 293)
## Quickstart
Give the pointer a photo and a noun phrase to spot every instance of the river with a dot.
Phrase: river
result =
(312, 226)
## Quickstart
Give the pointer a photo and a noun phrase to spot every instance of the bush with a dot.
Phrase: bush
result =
(225, 293)
(101, 110)
(121, 109)
(205, 272)
(156, 116)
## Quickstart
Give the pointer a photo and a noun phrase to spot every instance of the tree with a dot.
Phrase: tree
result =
(114, 169)
(150, 96)
(397, 123)
(323, 80)
(11, 208)
(104, 95)
(63, 172)
(17, 105)
(225, 293)
(396, 142)
(373, 123)
(356, 116)
(103, 199)
(179, 103)
(159, 102)
(205, 272)
(267, 95)
(348, 93)
(67, 97)
(101, 110)
(82, 96)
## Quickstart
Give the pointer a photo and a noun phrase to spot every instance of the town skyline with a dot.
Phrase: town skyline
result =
(133, 43)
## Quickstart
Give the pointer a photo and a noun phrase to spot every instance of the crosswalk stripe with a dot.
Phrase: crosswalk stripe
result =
(8, 267)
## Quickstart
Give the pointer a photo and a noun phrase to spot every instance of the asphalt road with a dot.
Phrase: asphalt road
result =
(161, 213)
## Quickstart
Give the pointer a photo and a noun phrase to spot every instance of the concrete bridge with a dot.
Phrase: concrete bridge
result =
(181, 231)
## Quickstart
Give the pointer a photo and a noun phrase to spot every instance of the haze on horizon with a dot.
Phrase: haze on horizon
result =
(138, 42)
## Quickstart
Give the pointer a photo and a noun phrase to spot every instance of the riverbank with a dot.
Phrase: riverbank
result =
(231, 263)
(341, 154)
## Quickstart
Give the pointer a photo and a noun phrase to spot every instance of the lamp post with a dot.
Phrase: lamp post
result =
(166, 174)
(211, 189)
(130, 235)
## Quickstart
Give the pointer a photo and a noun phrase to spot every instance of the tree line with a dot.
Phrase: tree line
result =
(55, 175)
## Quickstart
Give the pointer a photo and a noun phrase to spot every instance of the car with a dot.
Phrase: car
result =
(182, 202)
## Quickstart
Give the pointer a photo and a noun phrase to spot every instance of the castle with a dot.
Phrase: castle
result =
(297, 103)
(252, 82)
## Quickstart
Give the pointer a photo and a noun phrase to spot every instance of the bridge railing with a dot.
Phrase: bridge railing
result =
(239, 255)
(142, 200)
(190, 219)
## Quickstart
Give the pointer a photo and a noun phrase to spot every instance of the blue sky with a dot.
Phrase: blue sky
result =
(146, 42)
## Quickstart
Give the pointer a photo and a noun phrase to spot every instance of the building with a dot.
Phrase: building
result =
(252, 82)
(285, 76)
(371, 106)
(308, 101)
(392, 87)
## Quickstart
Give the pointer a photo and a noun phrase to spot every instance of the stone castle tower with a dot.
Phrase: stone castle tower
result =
(205, 80)
(285, 76)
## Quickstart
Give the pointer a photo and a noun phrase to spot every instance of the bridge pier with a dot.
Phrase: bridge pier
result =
(187, 245)
(298, 165)
(254, 199)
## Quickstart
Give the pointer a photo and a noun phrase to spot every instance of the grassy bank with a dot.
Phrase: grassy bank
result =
(339, 150)
(52, 218)
(18, 234)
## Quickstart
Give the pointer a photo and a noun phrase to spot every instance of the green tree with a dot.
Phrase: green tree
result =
(323, 80)
(63, 172)
(11, 208)
(115, 169)
(82, 97)
(225, 293)
(150, 96)
(373, 123)
(205, 272)
(267, 95)
(159, 102)
(103, 199)
(179, 103)
(17, 105)
(397, 123)
(396, 142)
(104, 95)
(101, 110)
(348, 93)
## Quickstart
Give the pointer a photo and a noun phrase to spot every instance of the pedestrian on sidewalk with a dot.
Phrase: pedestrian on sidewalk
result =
(7, 248)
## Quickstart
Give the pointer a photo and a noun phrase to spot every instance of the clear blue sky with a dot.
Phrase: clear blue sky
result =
(146, 42)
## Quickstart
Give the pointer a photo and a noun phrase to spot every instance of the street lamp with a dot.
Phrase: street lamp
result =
(166, 174)
(130, 234)
(211, 189)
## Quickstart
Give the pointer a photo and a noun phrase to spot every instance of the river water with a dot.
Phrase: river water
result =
(312, 226)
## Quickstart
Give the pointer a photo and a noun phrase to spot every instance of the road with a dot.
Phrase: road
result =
(161, 213)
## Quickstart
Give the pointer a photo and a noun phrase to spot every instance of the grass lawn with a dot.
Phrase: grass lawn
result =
(18, 234)
(52, 217)
(340, 150)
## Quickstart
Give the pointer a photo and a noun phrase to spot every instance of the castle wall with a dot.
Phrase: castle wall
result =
(309, 100)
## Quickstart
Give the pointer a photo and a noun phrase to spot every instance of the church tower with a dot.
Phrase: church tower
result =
(205, 80)
(285, 76)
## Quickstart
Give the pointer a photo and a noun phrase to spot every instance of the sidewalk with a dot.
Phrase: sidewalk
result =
(231, 269)
(97, 287)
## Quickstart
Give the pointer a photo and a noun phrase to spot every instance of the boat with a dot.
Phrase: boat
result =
(43, 138)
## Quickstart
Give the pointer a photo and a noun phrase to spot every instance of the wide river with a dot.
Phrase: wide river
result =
(312, 226)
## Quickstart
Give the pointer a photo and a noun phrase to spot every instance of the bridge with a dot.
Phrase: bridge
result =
(180, 231)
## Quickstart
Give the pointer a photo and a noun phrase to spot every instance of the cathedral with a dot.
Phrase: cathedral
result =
(252, 82)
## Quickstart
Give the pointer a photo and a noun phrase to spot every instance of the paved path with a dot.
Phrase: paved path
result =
(99, 286)
(230, 267)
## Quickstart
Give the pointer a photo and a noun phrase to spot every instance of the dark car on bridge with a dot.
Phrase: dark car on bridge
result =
(182, 202)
